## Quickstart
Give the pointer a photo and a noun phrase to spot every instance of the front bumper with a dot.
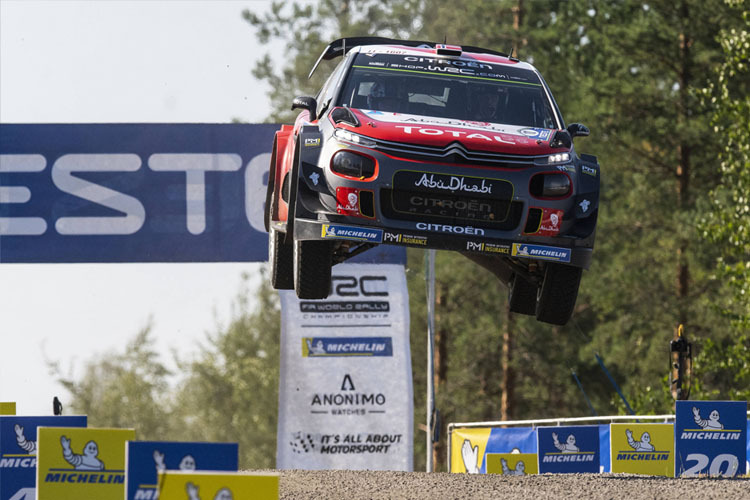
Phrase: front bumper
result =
(305, 229)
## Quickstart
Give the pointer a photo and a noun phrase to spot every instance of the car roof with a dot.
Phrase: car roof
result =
(371, 44)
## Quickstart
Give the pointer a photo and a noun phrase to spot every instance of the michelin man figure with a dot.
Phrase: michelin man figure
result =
(569, 446)
(643, 445)
(187, 463)
(317, 349)
(711, 423)
(520, 469)
(222, 494)
(87, 461)
(27, 446)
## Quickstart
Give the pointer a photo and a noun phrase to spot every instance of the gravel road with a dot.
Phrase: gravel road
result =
(320, 485)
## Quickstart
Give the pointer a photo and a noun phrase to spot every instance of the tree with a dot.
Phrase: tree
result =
(128, 389)
(230, 388)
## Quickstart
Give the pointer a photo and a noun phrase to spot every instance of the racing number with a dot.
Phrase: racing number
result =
(716, 465)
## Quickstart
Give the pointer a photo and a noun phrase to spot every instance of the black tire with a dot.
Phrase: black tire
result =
(522, 296)
(312, 269)
(280, 257)
(557, 296)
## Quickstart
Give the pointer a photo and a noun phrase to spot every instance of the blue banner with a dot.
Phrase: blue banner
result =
(138, 193)
(18, 452)
(568, 449)
(710, 438)
(144, 460)
(133, 192)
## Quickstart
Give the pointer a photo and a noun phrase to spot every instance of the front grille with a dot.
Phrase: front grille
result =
(443, 208)
(454, 152)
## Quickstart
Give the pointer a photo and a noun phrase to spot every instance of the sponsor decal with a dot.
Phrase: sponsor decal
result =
(315, 347)
(550, 223)
(642, 449)
(457, 134)
(364, 297)
(405, 239)
(454, 183)
(566, 168)
(541, 252)
(347, 201)
(444, 228)
(313, 142)
(536, 133)
(568, 449)
(584, 205)
(334, 444)
(351, 233)
(511, 464)
(82, 463)
(710, 438)
(198, 485)
(589, 170)
(476, 246)
(315, 178)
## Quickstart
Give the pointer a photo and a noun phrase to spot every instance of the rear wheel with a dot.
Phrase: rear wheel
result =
(280, 256)
(312, 268)
(557, 296)
(522, 295)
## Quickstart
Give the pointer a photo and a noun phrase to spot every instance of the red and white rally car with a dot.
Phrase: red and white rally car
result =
(433, 146)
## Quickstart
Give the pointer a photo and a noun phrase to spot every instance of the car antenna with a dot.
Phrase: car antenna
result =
(445, 39)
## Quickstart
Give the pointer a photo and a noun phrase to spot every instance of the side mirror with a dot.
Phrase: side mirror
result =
(561, 139)
(578, 130)
(308, 103)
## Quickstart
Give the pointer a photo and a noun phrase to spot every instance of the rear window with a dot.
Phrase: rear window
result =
(447, 88)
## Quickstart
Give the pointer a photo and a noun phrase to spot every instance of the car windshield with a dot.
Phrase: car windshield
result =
(460, 89)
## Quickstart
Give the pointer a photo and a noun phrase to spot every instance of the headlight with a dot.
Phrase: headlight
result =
(345, 135)
(353, 164)
(558, 158)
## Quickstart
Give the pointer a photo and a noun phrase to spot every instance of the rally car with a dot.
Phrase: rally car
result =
(433, 146)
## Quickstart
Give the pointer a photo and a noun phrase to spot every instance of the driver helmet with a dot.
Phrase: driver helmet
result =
(380, 97)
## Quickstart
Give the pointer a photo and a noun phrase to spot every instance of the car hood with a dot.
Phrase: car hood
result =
(440, 132)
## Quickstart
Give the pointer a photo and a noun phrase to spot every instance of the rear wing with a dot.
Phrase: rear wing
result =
(340, 47)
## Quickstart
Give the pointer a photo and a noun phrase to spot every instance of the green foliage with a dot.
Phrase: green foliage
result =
(128, 389)
(230, 391)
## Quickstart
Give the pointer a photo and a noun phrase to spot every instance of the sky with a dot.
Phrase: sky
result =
(118, 62)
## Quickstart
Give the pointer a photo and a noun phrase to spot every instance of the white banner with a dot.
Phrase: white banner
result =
(345, 395)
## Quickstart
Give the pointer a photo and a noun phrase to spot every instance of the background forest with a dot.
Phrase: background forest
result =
(664, 87)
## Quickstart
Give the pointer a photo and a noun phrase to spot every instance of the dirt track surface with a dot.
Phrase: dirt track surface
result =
(419, 485)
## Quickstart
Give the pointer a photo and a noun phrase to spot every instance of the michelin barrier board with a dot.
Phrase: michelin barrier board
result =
(18, 452)
(133, 192)
(568, 449)
(81, 463)
(345, 393)
(710, 438)
(643, 449)
(144, 459)
(7, 408)
(179, 485)
(470, 446)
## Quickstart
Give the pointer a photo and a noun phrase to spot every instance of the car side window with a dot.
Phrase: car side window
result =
(329, 87)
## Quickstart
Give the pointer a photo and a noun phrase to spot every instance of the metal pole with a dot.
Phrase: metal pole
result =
(430, 277)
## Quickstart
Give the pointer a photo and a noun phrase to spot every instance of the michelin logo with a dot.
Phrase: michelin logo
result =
(347, 346)
(710, 428)
(541, 252)
(643, 449)
(16, 461)
(351, 233)
(88, 460)
(569, 451)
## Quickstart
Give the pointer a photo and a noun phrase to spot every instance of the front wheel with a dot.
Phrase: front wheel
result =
(557, 296)
(312, 268)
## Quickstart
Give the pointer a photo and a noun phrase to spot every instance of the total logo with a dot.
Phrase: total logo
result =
(455, 133)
